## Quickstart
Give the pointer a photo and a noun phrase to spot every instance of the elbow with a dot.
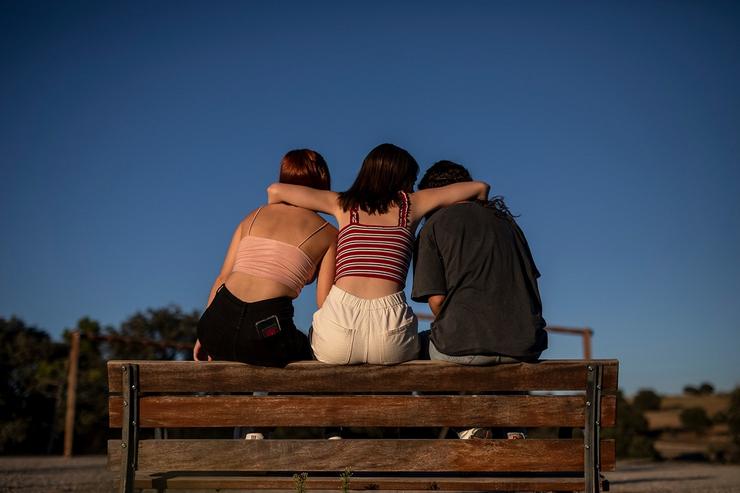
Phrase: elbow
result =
(435, 303)
(273, 193)
(484, 189)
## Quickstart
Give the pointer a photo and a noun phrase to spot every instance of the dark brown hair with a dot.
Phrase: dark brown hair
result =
(386, 170)
(305, 167)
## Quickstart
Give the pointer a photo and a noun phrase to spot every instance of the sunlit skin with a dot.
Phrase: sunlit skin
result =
(435, 303)
(422, 202)
(284, 223)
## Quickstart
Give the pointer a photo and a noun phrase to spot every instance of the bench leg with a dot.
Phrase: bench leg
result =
(591, 431)
(130, 430)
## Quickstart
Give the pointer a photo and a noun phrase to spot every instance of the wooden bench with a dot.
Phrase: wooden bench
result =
(158, 394)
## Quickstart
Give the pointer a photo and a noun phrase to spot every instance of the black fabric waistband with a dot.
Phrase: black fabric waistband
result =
(280, 304)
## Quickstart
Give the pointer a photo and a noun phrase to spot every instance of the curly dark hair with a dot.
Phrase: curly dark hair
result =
(444, 173)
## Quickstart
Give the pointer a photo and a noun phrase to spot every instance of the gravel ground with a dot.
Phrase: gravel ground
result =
(678, 477)
(88, 475)
(54, 474)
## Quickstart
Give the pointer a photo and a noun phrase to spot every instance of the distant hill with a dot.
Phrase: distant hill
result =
(673, 440)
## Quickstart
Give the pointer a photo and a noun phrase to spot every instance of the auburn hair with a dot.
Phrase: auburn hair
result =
(386, 170)
(305, 167)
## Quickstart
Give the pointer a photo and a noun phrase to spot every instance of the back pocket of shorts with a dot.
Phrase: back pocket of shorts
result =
(332, 343)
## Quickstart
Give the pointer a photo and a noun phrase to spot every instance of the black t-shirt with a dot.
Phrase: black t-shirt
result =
(481, 262)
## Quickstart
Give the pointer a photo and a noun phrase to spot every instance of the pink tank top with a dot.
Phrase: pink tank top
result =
(275, 260)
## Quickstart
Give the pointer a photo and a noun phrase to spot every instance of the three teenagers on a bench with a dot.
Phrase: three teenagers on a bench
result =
(274, 252)
(365, 317)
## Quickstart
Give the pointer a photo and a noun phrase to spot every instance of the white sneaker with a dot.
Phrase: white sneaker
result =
(254, 436)
(515, 435)
(334, 437)
(474, 433)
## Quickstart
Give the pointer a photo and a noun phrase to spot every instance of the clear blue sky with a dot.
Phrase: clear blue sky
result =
(134, 136)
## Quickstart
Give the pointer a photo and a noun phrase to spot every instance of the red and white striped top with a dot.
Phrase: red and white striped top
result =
(382, 252)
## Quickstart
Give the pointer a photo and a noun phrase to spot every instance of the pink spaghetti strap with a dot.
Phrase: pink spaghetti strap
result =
(316, 231)
(249, 231)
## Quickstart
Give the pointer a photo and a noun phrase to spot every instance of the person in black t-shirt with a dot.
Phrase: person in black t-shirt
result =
(473, 266)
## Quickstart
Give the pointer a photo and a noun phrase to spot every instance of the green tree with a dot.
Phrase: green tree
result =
(143, 332)
(706, 388)
(30, 383)
(733, 415)
(695, 419)
(632, 436)
(690, 390)
(720, 417)
(33, 376)
(91, 419)
(646, 400)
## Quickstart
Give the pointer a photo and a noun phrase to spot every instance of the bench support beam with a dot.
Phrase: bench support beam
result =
(130, 430)
(592, 467)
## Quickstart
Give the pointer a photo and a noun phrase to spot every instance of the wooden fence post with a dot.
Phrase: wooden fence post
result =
(69, 418)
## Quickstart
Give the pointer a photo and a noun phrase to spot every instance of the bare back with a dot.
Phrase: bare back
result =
(287, 224)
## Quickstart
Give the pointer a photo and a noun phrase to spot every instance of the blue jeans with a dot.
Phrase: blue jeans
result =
(429, 351)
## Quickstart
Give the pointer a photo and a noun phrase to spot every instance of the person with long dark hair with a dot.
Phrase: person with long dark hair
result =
(365, 318)
(274, 252)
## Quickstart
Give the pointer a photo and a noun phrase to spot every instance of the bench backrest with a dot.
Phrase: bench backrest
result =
(148, 394)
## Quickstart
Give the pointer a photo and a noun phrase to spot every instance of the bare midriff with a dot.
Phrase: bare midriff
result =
(368, 287)
(250, 288)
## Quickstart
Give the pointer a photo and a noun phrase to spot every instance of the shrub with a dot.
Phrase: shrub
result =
(646, 400)
(706, 388)
(631, 433)
(695, 419)
(690, 390)
(733, 415)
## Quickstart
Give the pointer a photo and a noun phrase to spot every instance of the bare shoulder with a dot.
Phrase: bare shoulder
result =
(317, 221)
(249, 218)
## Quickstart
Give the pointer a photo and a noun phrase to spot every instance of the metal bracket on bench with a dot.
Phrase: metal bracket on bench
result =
(591, 435)
(130, 429)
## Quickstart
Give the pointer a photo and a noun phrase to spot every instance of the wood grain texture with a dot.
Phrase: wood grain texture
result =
(312, 376)
(357, 483)
(391, 411)
(363, 455)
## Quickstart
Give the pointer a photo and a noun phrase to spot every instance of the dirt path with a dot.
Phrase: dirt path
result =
(54, 474)
(678, 477)
(88, 475)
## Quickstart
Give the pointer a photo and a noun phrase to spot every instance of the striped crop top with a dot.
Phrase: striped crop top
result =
(382, 252)
(275, 260)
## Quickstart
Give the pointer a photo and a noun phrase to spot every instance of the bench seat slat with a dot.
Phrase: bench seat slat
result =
(314, 483)
(391, 411)
(312, 376)
(364, 455)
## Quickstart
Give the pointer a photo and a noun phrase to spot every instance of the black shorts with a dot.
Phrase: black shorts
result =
(260, 333)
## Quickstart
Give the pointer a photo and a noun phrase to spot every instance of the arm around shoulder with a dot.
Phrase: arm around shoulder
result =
(425, 201)
(306, 197)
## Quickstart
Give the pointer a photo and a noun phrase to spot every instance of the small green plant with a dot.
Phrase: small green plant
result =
(345, 476)
(300, 482)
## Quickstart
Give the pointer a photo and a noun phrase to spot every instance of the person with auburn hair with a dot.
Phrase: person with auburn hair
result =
(365, 318)
(275, 251)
